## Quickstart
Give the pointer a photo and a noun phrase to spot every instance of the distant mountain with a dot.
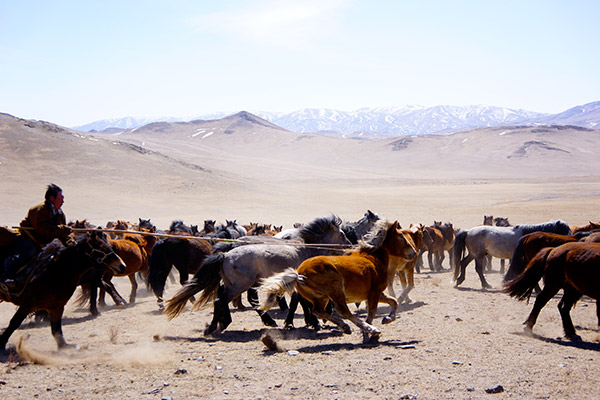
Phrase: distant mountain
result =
(375, 123)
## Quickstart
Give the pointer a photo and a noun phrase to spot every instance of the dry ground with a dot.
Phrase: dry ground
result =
(449, 343)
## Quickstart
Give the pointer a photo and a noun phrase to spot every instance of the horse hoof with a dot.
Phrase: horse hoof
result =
(289, 327)
(374, 337)
(346, 329)
(575, 339)
(387, 320)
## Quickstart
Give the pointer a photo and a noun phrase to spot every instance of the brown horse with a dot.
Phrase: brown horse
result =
(359, 275)
(529, 245)
(449, 234)
(405, 267)
(434, 244)
(54, 279)
(572, 267)
(585, 228)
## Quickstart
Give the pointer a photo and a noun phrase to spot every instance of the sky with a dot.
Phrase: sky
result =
(75, 62)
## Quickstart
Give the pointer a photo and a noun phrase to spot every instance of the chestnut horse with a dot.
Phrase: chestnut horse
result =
(405, 267)
(572, 267)
(54, 279)
(359, 275)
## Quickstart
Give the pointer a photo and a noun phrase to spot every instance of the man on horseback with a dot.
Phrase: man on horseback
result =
(44, 222)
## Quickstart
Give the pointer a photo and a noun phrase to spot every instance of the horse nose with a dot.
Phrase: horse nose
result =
(412, 254)
(117, 265)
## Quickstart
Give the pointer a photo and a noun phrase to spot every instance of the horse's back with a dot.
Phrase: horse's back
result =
(578, 263)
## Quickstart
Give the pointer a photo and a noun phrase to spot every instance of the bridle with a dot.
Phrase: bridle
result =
(102, 256)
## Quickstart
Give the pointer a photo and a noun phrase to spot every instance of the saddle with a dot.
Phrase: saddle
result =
(30, 271)
(8, 237)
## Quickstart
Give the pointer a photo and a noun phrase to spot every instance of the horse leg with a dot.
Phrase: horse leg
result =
(283, 306)
(502, 266)
(430, 260)
(570, 297)
(488, 262)
(370, 333)
(408, 285)
(288, 324)
(134, 287)
(112, 291)
(479, 266)
(463, 266)
(319, 306)
(542, 298)
(94, 285)
(419, 261)
(237, 302)
(13, 325)
(56, 326)
(391, 276)
(442, 258)
(391, 301)
(221, 315)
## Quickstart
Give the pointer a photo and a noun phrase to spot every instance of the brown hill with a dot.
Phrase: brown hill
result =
(247, 168)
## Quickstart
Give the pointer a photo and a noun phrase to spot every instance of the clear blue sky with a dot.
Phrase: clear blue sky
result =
(74, 62)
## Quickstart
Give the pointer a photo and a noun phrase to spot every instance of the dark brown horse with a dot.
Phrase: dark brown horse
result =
(360, 275)
(573, 267)
(54, 279)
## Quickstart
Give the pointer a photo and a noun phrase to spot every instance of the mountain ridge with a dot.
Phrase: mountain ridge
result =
(382, 122)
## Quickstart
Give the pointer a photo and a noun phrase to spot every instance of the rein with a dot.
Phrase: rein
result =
(210, 239)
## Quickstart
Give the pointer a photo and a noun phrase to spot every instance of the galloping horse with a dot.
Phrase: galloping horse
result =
(572, 267)
(54, 280)
(243, 267)
(359, 275)
(496, 241)
(528, 246)
(185, 254)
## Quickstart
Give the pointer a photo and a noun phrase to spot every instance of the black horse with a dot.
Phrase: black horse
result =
(53, 278)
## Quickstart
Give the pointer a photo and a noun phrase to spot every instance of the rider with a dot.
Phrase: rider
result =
(44, 222)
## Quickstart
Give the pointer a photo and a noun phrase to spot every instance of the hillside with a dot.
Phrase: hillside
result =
(243, 167)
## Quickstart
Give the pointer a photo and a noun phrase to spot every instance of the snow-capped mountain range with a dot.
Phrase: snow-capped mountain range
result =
(371, 123)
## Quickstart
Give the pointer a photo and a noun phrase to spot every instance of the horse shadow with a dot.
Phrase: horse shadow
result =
(319, 348)
(478, 290)
(593, 346)
(384, 310)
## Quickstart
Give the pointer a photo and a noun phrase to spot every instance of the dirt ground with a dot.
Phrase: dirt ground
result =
(449, 343)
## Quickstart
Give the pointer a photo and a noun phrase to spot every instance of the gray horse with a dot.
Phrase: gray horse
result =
(496, 241)
(243, 267)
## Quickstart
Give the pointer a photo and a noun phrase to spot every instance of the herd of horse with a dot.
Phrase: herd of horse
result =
(324, 265)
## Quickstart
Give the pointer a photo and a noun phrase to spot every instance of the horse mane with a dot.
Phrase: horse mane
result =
(178, 226)
(554, 226)
(375, 237)
(313, 231)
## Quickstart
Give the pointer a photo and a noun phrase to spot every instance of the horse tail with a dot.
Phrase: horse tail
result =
(207, 279)
(457, 251)
(159, 267)
(516, 262)
(83, 298)
(277, 286)
(522, 286)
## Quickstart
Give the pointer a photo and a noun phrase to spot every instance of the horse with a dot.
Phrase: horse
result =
(356, 230)
(572, 267)
(528, 246)
(53, 281)
(495, 221)
(585, 228)
(185, 254)
(496, 241)
(434, 243)
(449, 234)
(405, 268)
(243, 267)
(361, 274)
